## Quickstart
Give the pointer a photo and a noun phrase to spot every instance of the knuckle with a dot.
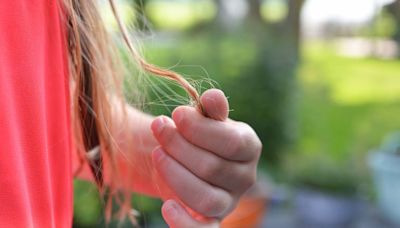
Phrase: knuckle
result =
(213, 205)
(249, 140)
(239, 142)
(258, 146)
(234, 143)
(249, 179)
(212, 168)
(248, 134)
(245, 179)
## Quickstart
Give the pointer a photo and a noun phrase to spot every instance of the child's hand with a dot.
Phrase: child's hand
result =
(207, 162)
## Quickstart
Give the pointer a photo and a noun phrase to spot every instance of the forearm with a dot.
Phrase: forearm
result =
(134, 141)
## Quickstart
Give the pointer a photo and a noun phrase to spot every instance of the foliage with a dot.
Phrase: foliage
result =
(274, 10)
(391, 143)
(179, 15)
(383, 26)
(88, 208)
(319, 171)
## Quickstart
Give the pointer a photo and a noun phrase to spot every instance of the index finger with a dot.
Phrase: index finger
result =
(228, 139)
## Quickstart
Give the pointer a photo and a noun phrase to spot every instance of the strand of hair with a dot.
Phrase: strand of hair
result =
(152, 68)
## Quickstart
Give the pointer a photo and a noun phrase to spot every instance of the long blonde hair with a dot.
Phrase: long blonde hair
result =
(96, 79)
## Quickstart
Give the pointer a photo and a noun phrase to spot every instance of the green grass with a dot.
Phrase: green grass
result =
(345, 108)
(351, 81)
(346, 105)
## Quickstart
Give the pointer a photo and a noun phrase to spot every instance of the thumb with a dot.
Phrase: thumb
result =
(214, 104)
(177, 217)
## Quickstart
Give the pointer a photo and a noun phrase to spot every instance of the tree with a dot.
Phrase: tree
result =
(142, 20)
(394, 10)
(293, 21)
(254, 10)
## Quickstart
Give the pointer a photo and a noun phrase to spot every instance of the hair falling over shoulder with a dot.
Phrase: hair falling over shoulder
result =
(96, 81)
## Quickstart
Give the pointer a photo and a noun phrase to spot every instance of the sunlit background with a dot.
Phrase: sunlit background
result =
(318, 80)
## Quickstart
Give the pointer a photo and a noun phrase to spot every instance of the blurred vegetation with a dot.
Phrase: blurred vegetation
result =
(353, 101)
(316, 171)
(394, 10)
(346, 107)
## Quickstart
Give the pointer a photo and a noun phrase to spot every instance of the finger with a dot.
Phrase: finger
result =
(177, 217)
(204, 164)
(229, 139)
(214, 104)
(203, 198)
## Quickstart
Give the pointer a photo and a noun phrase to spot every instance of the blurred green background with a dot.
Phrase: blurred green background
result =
(317, 80)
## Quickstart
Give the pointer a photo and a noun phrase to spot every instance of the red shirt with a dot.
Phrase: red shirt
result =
(35, 158)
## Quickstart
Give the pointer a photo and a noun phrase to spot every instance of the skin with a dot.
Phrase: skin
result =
(199, 165)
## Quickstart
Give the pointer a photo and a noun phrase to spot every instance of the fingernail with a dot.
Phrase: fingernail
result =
(159, 155)
(178, 116)
(171, 208)
(158, 124)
